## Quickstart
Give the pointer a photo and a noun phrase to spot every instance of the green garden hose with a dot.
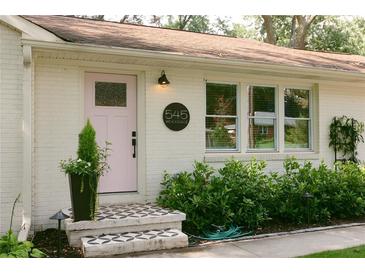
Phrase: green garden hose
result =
(221, 234)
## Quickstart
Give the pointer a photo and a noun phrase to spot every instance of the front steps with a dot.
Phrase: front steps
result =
(120, 229)
(130, 242)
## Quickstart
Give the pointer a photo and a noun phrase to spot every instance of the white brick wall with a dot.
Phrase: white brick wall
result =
(57, 114)
(337, 100)
(166, 149)
(58, 117)
(11, 104)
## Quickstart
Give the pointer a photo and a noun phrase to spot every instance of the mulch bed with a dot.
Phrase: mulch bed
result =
(272, 227)
(47, 242)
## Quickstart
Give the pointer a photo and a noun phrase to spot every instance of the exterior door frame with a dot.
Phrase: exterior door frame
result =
(140, 194)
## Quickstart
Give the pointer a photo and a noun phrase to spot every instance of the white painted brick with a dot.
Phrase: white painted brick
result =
(11, 156)
(58, 110)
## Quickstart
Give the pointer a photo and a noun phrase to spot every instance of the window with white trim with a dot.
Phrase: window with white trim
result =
(297, 122)
(221, 119)
(262, 118)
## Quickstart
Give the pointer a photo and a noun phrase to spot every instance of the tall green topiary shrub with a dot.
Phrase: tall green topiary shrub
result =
(85, 172)
(88, 148)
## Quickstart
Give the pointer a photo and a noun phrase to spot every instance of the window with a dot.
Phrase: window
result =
(109, 94)
(221, 117)
(262, 118)
(297, 118)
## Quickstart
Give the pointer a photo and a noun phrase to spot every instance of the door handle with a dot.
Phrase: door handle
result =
(134, 143)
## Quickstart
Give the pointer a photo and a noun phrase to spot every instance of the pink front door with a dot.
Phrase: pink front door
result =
(110, 104)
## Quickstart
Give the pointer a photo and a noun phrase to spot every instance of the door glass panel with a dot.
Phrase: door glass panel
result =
(109, 94)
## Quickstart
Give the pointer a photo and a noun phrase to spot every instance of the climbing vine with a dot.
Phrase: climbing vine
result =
(345, 135)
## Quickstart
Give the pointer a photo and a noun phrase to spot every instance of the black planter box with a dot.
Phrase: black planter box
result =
(83, 198)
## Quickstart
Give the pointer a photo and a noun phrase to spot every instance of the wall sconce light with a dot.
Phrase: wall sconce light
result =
(163, 79)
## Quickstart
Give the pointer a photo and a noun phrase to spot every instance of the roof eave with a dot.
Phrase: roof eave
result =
(173, 56)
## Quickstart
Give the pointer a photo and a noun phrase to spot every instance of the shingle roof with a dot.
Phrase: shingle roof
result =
(187, 43)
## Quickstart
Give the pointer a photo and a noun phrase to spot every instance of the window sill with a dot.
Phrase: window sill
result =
(273, 156)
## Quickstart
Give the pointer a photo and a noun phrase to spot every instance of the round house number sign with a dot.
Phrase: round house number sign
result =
(176, 116)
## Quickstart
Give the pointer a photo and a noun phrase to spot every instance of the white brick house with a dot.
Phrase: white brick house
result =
(45, 62)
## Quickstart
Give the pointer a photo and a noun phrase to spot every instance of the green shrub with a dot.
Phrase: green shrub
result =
(88, 148)
(236, 195)
(243, 194)
(188, 192)
(336, 192)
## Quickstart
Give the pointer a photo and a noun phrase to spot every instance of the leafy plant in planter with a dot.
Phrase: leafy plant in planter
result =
(84, 173)
(345, 135)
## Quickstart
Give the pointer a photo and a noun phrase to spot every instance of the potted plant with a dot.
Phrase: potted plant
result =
(84, 174)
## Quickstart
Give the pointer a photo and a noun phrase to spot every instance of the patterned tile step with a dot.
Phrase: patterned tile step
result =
(130, 242)
(126, 214)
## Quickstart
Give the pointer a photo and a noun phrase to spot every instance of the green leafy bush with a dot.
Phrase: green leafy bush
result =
(10, 247)
(235, 195)
(335, 193)
(243, 194)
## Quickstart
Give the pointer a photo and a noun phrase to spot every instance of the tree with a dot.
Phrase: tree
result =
(293, 30)
(94, 17)
(338, 34)
(196, 23)
(156, 20)
(314, 32)
(132, 19)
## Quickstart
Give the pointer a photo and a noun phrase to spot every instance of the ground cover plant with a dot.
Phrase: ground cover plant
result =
(245, 194)
(10, 247)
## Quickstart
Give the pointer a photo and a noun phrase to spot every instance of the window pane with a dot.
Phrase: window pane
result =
(262, 101)
(296, 103)
(221, 99)
(110, 94)
(262, 133)
(220, 133)
(297, 133)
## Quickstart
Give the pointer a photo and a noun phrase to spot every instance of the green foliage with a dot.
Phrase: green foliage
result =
(91, 163)
(10, 247)
(345, 135)
(196, 23)
(244, 195)
(92, 159)
(220, 136)
(338, 194)
(235, 195)
(338, 34)
(88, 148)
(353, 252)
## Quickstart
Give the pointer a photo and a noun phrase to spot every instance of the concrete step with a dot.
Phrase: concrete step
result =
(121, 218)
(130, 242)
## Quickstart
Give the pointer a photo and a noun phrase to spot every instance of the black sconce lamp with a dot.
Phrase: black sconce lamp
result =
(163, 79)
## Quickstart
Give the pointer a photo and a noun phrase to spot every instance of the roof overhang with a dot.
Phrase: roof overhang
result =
(40, 38)
(312, 72)
(28, 29)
